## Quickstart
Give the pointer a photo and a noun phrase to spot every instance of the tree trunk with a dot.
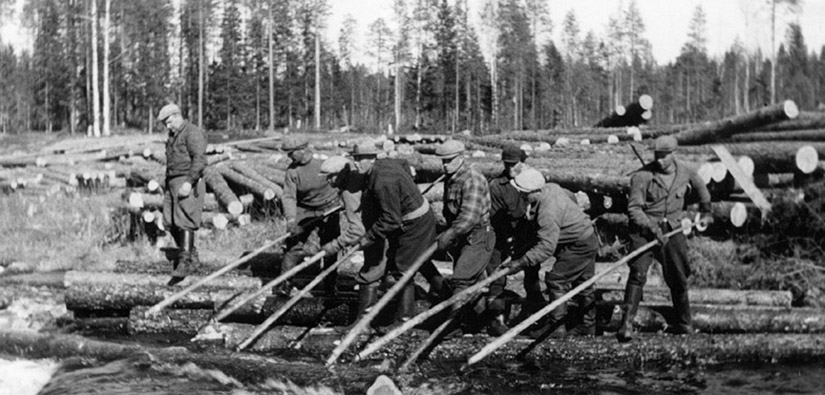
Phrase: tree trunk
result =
(242, 181)
(95, 80)
(703, 296)
(769, 157)
(317, 79)
(780, 136)
(254, 175)
(106, 97)
(718, 130)
(201, 76)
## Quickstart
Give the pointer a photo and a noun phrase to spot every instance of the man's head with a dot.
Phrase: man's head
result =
(334, 169)
(296, 148)
(170, 116)
(529, 182)
(451, 153)
(663, 148)
(512, 156)
(364, 155)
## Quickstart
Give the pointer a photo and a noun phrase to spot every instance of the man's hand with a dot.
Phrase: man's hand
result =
(312, 248)
(293, 228)
(445, 240)
(331, 248)
(185, 189)
(659, 235)
(515, 264)
(364, 243)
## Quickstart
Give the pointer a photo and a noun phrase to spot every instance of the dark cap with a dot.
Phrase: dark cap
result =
(513, 154)
(665, 144)
(364, 150)
(293, 143)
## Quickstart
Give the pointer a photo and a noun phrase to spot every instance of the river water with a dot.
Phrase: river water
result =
(145, 376)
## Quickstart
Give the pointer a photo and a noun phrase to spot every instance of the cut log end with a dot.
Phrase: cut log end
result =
(620, 110)
(219, 221)
(153, 186)
(738, 214)
(791, 110)
(235, 208)
(612, 139)
(807, 159)
(746, 164)
(646, 102)
(720, 171)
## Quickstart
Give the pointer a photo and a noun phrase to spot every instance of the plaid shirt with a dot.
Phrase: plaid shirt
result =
(466, 201)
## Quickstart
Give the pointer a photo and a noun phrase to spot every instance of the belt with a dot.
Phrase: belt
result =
(417, 212)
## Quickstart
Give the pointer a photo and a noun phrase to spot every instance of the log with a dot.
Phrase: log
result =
(602, 350)
(718, 130)
(244, 182)
(271, 173)
(225, 195)
(122, 291)
(806, 120)
(708, 296)
(629, 115)
(259, 178)
(136, 201)
(744, 180)
(790, 135)
(775, 157)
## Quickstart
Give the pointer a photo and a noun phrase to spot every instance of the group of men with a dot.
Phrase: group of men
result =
(515, 221)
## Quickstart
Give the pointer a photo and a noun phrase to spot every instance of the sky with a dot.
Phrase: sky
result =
(666, 21)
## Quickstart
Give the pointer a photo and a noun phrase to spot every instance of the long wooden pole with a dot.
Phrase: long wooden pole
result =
(172, 299)
(283, 277)
(374, 310)
(460, 297)
(291, 302)
(500, 341)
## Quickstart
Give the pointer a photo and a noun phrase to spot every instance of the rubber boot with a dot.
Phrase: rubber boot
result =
(681, 312)
(632, 297)
(367, 296)
(290, 259)
(554, 324)
(184, 258)
(194, 259)
(586, 320)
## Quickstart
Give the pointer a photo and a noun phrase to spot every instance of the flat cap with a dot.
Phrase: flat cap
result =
(528, 180)
(449, 149)
(334, 165)
(361, 150)
(513, 154)
(167, 111)
(665, 144)
(293, 143)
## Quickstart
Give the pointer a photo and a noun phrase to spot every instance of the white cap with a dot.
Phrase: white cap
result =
(334, 165)
(528, 180)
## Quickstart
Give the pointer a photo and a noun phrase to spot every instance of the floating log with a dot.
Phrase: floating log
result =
(718, 130)
(732, 319)
(122, 291)
(225, 195)
(709, 296)
(629, 115)
(258, 189)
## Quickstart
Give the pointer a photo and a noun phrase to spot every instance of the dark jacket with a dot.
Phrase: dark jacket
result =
(651, 202)
(507, 208)
(391, 193)
(186, 153)
(304, 187)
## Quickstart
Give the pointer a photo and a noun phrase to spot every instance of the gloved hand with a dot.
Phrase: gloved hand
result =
(331, 248)
(658, 234)
(445, 240)
(312, 248)
(293, 228)
(185, 189)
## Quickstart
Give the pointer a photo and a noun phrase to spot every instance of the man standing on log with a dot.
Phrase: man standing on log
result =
(565, 232)
(507, 208)
(400, 226)
(185, 188)
(658, 192)
(469, 238)
(307, 197)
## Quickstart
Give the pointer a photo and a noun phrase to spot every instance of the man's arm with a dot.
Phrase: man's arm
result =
(289, 200)
(196, 145)
(388, 200)
(636, 202)
(474, 193)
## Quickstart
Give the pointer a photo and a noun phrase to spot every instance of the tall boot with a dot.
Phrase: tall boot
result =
(586, 320)
(184, 257)
(367, 296)
(553, 326)
(194, 258)
(406, 304)
(681, 313)
(632, 297)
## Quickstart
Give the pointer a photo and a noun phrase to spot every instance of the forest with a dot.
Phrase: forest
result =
(102, 65)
